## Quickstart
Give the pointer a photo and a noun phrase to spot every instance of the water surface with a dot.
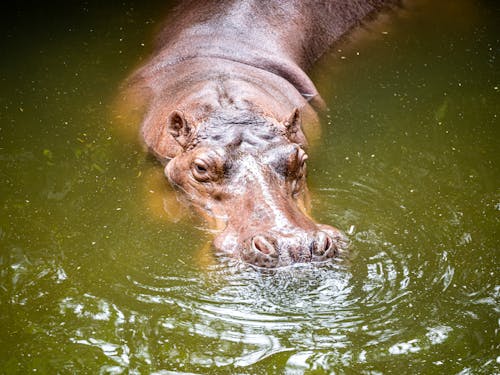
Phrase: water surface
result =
(99, 273)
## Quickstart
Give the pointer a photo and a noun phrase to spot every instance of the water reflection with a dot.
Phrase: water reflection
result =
(309, 316)
(94, 280)
(244, 311)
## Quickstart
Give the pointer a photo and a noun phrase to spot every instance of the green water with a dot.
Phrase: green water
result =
(92, 281)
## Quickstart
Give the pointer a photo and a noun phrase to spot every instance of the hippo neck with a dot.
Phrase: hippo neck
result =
(277, 65)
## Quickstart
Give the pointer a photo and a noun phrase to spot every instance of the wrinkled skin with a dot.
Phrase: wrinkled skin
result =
(226, 100)
(251, 178)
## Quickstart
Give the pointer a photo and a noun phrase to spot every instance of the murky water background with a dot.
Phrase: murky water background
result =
(93, 280)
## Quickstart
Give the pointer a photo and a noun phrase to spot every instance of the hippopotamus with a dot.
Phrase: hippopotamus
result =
(228, 100)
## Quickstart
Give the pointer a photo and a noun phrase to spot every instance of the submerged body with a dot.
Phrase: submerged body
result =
(227, 98)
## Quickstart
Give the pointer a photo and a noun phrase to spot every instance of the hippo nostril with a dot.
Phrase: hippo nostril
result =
(322, 244)
(259, 243)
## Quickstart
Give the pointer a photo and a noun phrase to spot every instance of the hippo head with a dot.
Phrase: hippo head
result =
(248, 171)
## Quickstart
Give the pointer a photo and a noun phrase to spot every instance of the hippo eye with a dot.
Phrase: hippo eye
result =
(294, 166)
(300, 162)
(200, 170)
(302, 157)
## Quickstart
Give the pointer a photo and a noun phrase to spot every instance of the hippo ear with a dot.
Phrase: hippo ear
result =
(293, 125)
(178, 128)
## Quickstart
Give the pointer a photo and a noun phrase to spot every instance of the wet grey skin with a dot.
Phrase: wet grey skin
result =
(243, 170)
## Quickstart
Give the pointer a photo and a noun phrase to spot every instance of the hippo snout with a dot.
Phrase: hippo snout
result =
(272, 250)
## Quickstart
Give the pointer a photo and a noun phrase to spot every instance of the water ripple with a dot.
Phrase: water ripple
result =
(379, 302)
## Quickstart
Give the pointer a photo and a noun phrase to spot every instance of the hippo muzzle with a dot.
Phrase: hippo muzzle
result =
(265, 225)
(260, 237)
